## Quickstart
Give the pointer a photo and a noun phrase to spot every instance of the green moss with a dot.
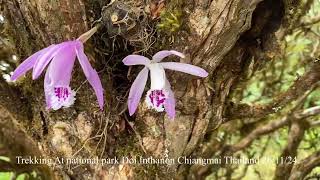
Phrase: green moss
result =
(170, 22)
(147, 170)
(129, 148)
(171, 17)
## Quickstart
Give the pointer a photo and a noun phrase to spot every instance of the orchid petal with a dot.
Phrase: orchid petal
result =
(170, 103)
(186, 68)
(61, 66)
(135, 60)
(136, 90)
(91, 74)
(46, 86)
(44, 59)
(162, 54)
(27, 64)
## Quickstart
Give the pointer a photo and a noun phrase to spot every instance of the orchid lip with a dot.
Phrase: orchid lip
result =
(61, 96)
(155, 99)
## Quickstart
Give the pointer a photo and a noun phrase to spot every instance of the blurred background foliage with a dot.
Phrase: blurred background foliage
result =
(298, 50)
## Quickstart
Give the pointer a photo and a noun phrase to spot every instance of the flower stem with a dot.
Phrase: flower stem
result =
(87, 35)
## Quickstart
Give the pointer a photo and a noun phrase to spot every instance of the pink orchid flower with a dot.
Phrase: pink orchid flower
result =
(61, 58)
(160, 96)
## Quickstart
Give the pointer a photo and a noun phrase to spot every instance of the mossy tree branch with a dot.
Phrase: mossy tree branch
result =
(300, 86)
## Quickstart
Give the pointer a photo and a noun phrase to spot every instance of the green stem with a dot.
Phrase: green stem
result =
(87, 35)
